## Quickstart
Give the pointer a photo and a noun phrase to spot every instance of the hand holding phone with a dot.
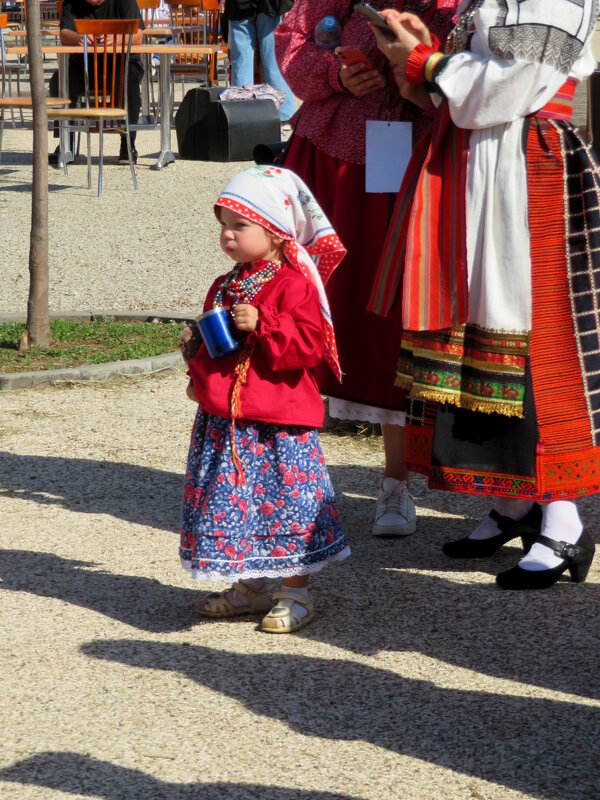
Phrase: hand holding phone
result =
(362, 80)
(375, 18)
(407, 32)
(352, 55)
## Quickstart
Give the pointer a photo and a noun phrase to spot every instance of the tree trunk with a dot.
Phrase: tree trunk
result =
(38, 315)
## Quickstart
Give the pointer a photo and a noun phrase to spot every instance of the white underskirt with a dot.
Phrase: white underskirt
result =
(359, 412)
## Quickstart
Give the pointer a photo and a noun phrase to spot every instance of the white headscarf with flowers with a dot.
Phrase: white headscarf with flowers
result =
(279, 201)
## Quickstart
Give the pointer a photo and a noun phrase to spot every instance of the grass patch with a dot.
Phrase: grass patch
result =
(75, 343)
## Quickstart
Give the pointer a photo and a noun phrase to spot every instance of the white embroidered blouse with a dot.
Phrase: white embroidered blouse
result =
(519, 53)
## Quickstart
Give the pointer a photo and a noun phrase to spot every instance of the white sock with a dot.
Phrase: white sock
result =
(297, 609)
(390, 483)
(506, 507)
(560, 522)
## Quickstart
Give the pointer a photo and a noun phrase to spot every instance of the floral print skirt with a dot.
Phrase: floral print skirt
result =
(282, 521)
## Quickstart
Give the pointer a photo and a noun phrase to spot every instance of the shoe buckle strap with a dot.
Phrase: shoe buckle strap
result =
(566, 550)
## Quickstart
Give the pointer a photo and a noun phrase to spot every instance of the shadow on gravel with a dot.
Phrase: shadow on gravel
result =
(77, 774)
(398, 595)
(143, 603)
(148, 496)
(136, 494)
(25, 188)
(544, 748)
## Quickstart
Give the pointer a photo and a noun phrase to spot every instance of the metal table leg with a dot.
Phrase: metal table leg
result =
(146, 118)
(165, 156)
(63, 85)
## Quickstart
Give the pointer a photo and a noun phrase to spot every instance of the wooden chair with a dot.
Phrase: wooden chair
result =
(212, 16)
(7, 101)
(106, 98)
(148, 9)
(10, 69)
(195, 22)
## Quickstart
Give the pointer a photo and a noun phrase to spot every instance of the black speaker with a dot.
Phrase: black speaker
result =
(237, 126)
(192, 122)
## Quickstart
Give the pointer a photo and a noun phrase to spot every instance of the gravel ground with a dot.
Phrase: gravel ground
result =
(418, 680)
(154, 248)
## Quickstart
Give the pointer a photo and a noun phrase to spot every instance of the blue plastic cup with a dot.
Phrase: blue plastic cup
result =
(218, 332)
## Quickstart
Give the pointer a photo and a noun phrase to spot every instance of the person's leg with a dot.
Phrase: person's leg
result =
(510, 518)
(134, 105)
(265, 27)
(134, 95)
(293, 607)
(393, 446)
(248, 596)
(562, 545)
(395, 513)
(242, 33)
(76, 90)
(296, 582)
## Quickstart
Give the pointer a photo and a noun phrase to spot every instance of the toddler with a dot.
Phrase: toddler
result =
(258, 502)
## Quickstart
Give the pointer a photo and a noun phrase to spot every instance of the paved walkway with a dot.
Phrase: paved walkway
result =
(417, 681)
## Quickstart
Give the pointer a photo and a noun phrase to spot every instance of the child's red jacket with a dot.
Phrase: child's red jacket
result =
(289, 343)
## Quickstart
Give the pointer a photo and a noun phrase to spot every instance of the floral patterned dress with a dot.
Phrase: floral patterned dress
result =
(283, 521)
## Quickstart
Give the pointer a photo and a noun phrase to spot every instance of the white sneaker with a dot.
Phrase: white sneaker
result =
(395, 513)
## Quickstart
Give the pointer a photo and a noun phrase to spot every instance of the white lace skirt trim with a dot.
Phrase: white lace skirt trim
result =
(359, 412)
(300, 569)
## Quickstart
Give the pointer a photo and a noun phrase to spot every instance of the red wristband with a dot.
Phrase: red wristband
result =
(415, 65)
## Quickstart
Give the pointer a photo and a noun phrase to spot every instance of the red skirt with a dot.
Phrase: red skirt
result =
(368, 345)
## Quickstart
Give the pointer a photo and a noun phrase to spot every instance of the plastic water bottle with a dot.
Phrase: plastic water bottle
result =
(328, 33)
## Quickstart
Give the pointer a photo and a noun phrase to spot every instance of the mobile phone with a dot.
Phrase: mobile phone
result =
(352, 55)
(375, 18)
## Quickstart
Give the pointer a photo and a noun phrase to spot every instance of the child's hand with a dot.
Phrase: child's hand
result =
(245, 317)
(190, 391)
(189, 342)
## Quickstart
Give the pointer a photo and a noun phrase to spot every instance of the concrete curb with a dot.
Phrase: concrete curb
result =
(123, 316)
(98, 372)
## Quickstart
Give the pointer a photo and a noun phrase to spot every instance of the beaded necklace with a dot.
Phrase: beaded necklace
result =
(459, 38)
(246, 289)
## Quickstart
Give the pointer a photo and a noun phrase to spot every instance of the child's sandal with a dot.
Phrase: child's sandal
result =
(281, 618)
(217, 604)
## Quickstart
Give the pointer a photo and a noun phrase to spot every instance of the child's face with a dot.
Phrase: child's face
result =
(243, 240)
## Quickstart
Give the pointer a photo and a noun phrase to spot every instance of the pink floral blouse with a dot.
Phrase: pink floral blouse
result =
(332, 119)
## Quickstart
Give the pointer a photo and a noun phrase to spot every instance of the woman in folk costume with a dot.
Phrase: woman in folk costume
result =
(258, 502)
(498, 255)
(329, 152)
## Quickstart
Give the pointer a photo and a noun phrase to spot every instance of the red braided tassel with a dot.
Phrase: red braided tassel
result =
(240, 377)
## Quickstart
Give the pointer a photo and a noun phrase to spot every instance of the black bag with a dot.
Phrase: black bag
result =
(209, 129)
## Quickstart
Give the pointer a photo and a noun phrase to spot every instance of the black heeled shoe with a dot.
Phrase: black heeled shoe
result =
(527, 528)
(577, 558)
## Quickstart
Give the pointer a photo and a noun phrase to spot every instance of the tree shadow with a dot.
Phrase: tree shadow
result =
(142, 495)
(143, 603)
(532, 745)
(25, 188)
(82, 775)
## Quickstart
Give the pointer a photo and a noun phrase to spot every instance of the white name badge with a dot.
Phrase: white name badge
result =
(389, 146)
